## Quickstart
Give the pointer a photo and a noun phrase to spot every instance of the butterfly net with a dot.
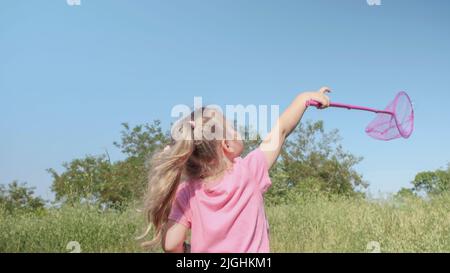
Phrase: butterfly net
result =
(396, 121)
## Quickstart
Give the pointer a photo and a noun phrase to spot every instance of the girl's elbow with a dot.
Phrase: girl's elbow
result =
(172, 247)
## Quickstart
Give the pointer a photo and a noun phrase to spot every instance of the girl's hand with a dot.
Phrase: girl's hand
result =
(319, 96)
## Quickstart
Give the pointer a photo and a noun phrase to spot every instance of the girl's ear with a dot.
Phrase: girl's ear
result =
(226, 147)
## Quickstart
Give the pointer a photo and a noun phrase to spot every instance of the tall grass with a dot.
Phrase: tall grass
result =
(52, 230)
(349, 225)
(311, 225)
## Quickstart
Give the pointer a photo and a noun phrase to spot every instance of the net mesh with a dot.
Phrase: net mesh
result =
(399, 123)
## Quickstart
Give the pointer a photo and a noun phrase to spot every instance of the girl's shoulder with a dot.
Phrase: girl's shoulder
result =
(254, 159)
(254, 156)
(255, 166)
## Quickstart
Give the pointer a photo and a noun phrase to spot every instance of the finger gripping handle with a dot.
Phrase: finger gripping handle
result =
(313, 103)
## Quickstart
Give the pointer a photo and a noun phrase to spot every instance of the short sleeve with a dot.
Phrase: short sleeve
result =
(256, 164)
(181, 211)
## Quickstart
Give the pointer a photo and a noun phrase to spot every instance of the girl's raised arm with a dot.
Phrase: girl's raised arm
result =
(286, 123)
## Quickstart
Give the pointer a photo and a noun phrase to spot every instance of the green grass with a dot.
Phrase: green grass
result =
(314, 225)
(52, 230)
(346, 225)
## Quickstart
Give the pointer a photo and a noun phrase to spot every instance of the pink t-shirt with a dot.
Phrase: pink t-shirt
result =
(227, 215)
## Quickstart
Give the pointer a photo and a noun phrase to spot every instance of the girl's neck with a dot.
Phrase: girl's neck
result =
(228, 165)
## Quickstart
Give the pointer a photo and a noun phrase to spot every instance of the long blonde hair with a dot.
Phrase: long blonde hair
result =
(192, 156)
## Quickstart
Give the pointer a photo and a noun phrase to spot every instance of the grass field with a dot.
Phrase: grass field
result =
(313, 225)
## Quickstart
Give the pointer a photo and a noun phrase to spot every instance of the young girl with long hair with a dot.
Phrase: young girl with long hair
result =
(201, 183)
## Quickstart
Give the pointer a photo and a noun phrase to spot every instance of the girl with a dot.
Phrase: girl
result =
(200, 183)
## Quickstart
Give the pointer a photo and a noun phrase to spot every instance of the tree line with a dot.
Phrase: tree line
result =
(312, 161)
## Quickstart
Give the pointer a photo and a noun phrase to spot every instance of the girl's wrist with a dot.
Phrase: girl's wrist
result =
(304, 97)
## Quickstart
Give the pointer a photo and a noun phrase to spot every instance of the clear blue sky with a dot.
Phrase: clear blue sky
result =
(69, 75)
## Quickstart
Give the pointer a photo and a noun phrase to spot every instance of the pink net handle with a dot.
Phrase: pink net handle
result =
(349, 107)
